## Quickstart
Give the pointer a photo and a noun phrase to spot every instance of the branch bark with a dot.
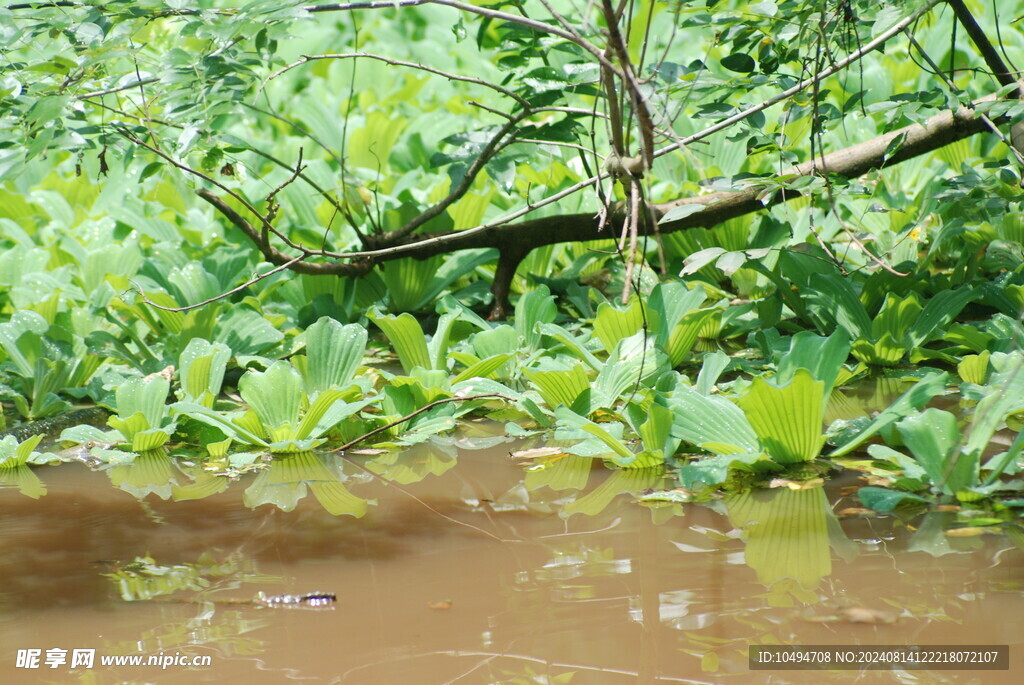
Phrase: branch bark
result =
(275, 256)
(1000, 71)
(514, 241)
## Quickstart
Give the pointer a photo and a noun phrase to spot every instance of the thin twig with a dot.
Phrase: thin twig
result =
(419, 411)
(304, 59)
(271, 203)
(557, 143)
(109, 91)
(255, 279)
(504, 115)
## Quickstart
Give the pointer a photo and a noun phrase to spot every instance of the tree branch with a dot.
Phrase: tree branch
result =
(1000, 71)
(511, 239)
(275, 256)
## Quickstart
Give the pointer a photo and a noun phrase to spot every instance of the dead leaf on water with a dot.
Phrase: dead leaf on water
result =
(855, 511)
(856, 614)
(866, 615)
(795, 484)
(167, 374)
(966, 532)
(536, 453)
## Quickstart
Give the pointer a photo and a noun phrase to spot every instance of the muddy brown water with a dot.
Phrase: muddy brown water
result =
(469, 577)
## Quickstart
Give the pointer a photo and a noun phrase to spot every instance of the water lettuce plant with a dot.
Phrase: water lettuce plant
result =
(291, 405)
(901, 325)
(44, 361)
(777, 419)
(951, 460)
(142, 419)
(14, 460)
(283, 417)
(201, 368)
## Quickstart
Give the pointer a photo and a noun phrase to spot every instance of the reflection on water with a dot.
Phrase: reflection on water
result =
(488, 573)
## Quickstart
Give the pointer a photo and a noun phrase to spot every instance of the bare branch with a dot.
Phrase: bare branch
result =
(617, 44)
(255, 279)
(464, 7)
(1003, 74)
(305, 59)
(275, 256)
(118, 89)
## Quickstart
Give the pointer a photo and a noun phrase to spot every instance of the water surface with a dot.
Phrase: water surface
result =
(472, 577)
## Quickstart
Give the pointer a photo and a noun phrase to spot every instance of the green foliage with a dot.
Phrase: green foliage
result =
(45, 360)
(283, 417)
(14, 454)
(201, 369)
(387, 171)
(787, 420)
(142, 419)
